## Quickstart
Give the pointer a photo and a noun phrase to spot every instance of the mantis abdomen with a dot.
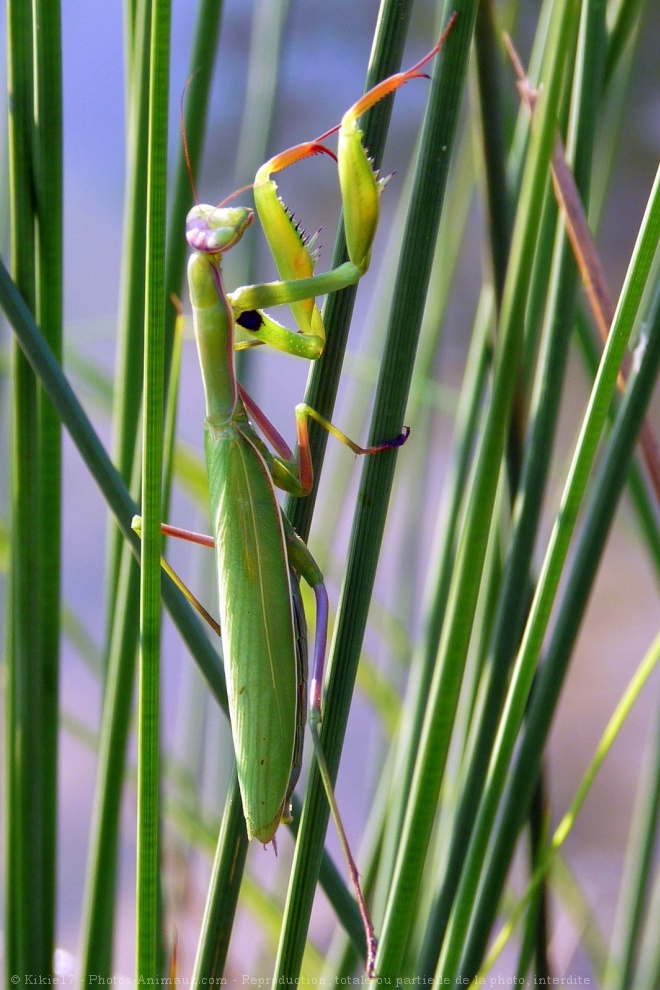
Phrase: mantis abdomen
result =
(256, 617)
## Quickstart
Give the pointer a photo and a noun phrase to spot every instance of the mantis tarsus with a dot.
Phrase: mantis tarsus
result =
(261, 614)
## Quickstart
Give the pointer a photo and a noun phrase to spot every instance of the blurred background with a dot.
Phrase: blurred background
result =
(325, 52)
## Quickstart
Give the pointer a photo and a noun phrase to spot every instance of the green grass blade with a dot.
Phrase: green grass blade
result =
(128, 393)
(640, 488)
(514, 597)
(104, 473)
(28, 951)
(123, 582)
(489, 74)
(50, 236)
(321, 394)
(466, 577)
(468, 417)
(628, 15)
(551, 571)
(534, 948)
(222, 895)
(268, 26)
(202, 64)
(648, 975)
(148, 823)
(97, 941)
(391, 397)
(124, 508)
(440, 648)
(325, 373)
(637, 873)
(628, 699)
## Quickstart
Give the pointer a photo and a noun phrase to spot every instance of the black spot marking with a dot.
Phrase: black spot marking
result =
(251, 319)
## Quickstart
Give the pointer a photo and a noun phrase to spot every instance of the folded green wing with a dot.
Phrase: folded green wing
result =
(257, 623)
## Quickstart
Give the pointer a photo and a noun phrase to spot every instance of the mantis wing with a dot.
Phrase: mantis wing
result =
(257, 624)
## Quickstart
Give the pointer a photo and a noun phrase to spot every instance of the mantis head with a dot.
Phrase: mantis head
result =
(214, 229)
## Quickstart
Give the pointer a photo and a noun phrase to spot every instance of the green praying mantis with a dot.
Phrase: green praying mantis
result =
(259, 556)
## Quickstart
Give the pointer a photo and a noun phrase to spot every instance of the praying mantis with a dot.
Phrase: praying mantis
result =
(259, 556)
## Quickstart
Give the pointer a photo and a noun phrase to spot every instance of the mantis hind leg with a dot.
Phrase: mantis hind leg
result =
(300, 639)
(303, 562)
